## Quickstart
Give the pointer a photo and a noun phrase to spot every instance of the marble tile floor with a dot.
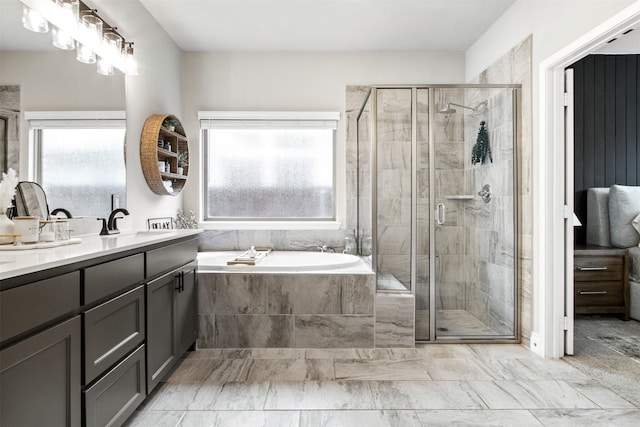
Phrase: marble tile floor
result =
(431, 385)
(460, 323)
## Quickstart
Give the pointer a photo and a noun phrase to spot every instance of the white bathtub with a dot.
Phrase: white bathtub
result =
(281, 261)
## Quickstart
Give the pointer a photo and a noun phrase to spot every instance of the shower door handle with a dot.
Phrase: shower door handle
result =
(440, 214)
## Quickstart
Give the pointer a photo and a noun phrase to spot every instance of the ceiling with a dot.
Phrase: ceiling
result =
(299, 25)
(308, 25)
(325, 25)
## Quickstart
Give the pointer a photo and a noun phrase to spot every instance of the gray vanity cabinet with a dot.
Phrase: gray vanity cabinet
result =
(40, 378)
(161, 334)
(187, 311)
(111, 330)
(115, 396)
(171, 320)
(114, 333)
(40, 359)
(83, 344)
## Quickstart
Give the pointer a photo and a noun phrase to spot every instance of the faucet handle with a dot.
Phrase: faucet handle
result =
(105, 230)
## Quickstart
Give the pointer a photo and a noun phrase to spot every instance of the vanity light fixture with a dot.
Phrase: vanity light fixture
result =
(91, 27)
(75, 25)
(69, 14)
(113, 53)
(104, 67)
(33, 21)
(130, 60)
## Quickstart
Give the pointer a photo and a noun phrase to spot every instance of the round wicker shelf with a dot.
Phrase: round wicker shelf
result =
(151, 154)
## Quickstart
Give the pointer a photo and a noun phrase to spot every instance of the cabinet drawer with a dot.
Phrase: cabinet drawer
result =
(597, 294)
(113, 276)
(601, 268)
(113, 399)
(29, 306)
(169, 257)
(112, 330)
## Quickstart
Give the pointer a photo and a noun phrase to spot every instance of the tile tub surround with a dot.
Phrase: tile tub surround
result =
(289, 310)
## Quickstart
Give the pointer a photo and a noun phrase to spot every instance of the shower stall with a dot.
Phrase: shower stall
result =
(437, 205)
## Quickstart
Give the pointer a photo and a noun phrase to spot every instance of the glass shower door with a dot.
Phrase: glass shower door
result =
(473, 269)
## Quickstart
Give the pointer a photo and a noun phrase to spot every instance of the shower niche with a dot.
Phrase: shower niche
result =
(437, 193)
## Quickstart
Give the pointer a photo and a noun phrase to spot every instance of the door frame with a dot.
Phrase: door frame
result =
(549, 169)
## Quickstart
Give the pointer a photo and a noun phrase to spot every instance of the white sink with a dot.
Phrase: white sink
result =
(150, 233)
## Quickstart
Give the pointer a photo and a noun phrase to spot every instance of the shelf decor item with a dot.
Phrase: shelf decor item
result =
(481, 150)
(170, 123)
(183, 161)
(171, 179)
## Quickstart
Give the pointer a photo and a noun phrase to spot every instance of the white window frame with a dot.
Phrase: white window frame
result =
(218, 119)
(38, 120)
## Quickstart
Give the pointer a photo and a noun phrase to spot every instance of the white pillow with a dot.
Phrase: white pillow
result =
(636, 224)
(624, 205)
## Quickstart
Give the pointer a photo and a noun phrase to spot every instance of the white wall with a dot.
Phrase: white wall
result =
(553, 24)
(156, 90)
(55, 81)
(297, 81)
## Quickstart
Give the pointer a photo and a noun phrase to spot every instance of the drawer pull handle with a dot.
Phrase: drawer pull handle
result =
(592, 292)
(592, 268)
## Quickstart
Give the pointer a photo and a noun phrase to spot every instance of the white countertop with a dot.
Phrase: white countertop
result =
(19, 262)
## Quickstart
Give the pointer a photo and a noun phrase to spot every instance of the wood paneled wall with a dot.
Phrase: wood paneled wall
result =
(607, 133)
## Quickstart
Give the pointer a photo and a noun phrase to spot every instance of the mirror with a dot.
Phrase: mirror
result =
(31, 200)
(48, 79)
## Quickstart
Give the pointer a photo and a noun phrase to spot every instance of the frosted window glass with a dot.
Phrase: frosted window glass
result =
(81, 168)
(270, 174)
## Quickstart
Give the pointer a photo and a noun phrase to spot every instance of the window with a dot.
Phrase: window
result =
(269, 166)
(80, 160)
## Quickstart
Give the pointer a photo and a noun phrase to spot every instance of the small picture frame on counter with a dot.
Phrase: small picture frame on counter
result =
(163, 223)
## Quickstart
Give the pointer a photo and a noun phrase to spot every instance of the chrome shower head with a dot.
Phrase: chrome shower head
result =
(447, 110)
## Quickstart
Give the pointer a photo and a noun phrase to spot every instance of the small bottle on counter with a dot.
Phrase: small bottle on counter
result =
(47, 231)
(350, 246)
(366, 243)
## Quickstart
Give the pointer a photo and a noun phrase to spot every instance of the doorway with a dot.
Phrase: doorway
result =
(551, 249)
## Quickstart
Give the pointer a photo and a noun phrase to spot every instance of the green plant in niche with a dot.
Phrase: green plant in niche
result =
(183, 159)
(481, 150)
(170, 123)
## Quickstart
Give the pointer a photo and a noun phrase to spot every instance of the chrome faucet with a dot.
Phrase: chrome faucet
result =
(325, 248)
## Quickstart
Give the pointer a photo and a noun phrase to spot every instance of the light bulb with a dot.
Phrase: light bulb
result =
(85, 54)
(104, 67)
(62, 39)
(130, 62)
(33, 21)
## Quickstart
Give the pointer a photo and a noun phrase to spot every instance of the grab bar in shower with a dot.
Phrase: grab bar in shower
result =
(440, 214)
